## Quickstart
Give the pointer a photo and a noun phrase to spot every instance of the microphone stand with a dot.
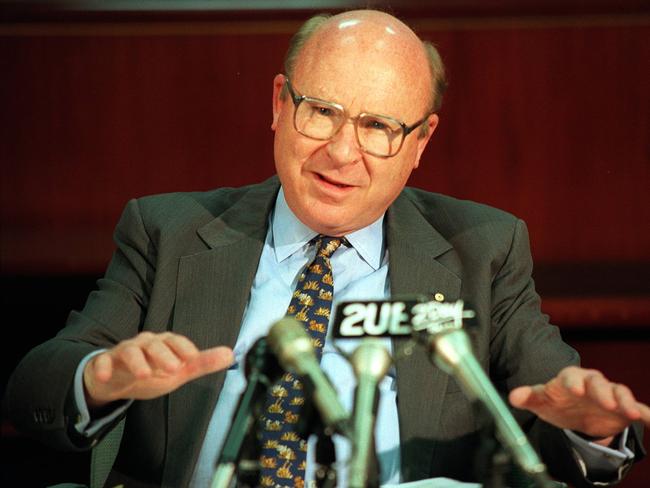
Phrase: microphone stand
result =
(325, 474)
(262, 371)
(311, 423)
(492, 463)
(370, 361)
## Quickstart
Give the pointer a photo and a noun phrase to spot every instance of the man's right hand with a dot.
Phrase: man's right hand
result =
(148, 366)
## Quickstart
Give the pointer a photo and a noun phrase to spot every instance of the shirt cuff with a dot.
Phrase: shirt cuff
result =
(599, 464)
(86, 426)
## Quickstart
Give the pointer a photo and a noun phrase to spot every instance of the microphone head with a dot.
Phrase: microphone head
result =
(291, 344)
(261, 360)
(370, 358)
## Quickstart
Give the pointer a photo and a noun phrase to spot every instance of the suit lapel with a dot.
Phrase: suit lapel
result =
(421, 262)
(212, 292)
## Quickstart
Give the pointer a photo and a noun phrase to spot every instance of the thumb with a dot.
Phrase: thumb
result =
(210, 361)
(523, 397)
(216, 358)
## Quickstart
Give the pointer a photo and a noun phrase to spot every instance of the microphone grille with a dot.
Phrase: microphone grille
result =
(371, 358)
(290, 341)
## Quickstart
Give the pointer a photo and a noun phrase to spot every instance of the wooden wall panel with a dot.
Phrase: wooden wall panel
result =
(550, 122)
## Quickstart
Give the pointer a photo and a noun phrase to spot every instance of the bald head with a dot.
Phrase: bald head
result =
(369, 38)
(378, 28)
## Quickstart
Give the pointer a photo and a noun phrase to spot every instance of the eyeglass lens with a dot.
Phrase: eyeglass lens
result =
(320, 120)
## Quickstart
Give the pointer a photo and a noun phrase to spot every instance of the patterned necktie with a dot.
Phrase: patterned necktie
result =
(283, 457)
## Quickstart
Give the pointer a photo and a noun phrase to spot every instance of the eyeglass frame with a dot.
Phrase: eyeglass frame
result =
(406, 129)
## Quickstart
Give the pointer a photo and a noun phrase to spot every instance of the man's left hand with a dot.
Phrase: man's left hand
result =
(585, 401)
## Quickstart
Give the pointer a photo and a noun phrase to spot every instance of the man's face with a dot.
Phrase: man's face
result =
(333, 186)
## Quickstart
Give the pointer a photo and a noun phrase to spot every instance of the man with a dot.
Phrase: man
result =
(352, 115)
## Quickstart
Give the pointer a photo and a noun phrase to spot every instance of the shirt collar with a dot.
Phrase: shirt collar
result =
(290, 235)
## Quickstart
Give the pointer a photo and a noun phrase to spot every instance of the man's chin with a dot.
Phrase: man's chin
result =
(335, 223)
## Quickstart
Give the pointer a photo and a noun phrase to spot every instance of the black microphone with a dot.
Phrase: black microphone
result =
(262, 370)
(293, 348)
(370, 361)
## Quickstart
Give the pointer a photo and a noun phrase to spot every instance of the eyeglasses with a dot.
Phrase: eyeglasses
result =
(378, 135)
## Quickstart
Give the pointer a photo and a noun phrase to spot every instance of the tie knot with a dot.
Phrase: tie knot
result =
(325, 245)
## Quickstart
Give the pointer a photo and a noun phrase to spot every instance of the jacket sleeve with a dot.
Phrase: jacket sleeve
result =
(39, 398)
(526, 350)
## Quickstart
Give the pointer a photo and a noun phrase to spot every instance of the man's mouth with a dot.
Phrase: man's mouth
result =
(332, 182)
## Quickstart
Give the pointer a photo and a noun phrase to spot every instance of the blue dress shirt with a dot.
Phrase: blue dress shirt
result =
(360, 272)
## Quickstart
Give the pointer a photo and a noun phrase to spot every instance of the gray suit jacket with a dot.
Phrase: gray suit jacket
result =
(185, 262)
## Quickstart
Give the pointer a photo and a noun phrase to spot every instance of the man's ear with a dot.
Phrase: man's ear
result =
(278, 103)
(432, 123)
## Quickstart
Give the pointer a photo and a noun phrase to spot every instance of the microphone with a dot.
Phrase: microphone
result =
(261, 369)
(370, 361)
(293, 348)
(451, 351)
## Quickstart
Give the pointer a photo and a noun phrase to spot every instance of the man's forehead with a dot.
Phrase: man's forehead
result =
(381, 76)
(367, 86)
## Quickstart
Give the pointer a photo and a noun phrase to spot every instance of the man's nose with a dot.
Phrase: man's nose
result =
(344, 148)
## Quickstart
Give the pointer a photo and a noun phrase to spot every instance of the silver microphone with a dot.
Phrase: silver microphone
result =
(293, 348)
(451, 351)
(370, 361)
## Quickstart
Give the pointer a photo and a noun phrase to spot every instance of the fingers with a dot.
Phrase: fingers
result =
(182, 347)
(626, 401)
(134, 359)
(102, 367)
(601, 390)
(163, 355)
(573, 379)
(148, 352)
(528, 397)
(644, 412)
(613, 397)
(147, 366)
(591, 383)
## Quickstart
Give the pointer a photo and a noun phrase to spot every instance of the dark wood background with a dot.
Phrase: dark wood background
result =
(547, 116)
